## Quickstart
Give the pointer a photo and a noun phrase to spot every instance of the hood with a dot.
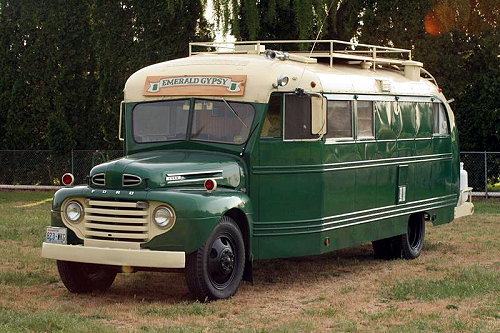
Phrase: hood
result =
(156, 169)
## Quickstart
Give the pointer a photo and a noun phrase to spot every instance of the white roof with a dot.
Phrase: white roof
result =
(262, 72)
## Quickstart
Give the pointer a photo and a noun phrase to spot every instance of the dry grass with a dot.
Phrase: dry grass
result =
(453, 286)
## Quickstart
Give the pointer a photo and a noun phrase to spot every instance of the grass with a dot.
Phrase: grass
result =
(461, 283)
(453, 287)
(47, 321)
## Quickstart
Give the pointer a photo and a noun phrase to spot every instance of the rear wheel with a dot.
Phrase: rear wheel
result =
(81, 278)
(407, 246)
(215, 270)
(412, 242)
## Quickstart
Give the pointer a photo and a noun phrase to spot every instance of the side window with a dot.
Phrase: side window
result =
(272, 123)
(365, 119)
(440, 124)
(339, 119)
(297, 118)
(424, 120)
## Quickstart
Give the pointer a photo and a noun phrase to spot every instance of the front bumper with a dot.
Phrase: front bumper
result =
(114, 256)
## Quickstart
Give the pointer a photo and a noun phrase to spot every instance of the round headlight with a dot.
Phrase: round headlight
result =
(74, 212)
(163, 217)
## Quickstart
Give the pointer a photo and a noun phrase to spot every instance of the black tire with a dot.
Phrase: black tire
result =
(412, 242)
(82, 278)
(215, 270)
(406, 246)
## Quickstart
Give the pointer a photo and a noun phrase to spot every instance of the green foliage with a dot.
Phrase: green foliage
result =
(59, 134)
(65, 63)
(288, 19)
(459, 42)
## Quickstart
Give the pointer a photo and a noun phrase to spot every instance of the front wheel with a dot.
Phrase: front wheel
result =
(215, 270)
(81, 278)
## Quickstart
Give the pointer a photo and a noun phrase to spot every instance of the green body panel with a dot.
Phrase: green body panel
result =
(348, 191)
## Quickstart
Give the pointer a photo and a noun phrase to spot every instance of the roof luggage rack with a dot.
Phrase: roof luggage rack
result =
(370, 56)
(347, 50)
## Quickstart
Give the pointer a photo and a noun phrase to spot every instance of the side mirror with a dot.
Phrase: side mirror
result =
(318, 114)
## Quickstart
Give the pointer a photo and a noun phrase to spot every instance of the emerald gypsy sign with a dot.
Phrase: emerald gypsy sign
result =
(228, 85)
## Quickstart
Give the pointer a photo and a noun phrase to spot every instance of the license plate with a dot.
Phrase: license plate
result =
(56, 235)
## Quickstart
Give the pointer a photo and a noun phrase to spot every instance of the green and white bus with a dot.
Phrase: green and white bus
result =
(239, 152)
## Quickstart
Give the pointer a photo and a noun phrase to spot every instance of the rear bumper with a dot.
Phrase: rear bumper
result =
(114, 256)
(465, 207)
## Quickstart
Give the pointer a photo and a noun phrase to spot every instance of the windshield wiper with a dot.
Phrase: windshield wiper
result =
(242, 153)
(231, 108)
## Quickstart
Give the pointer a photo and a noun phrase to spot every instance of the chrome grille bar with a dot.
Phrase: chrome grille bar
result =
(117, 220)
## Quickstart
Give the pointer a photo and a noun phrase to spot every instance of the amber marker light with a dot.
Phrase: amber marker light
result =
(68, 179)
(313, 84)
(210, 185)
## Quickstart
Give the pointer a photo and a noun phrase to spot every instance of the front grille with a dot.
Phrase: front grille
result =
(131, 180)
(115, 220)
(99, 179)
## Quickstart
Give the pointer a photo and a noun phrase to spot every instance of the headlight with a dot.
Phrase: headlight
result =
(74, 212)
(164, 217)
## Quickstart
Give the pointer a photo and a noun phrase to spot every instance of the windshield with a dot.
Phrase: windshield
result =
(216, 121)
(221, 121)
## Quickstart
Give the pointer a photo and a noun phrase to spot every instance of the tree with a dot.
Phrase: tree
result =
(459, 42)
(289, 19)
(70, 59)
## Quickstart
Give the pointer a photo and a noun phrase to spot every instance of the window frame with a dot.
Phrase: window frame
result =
(345, 138)
(283, 120)
(281, 97)
(364, 138)
(440, 106)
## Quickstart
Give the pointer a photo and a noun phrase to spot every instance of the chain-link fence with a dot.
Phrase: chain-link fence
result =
(483, 169)
(45, 167)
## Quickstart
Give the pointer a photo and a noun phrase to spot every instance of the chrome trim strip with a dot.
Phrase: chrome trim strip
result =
(276, 169)
(412, 210)
(362, 212)
(193, 180)
(193, 173)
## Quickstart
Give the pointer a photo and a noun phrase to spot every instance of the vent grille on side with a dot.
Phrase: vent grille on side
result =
(99, 179)
(115, 220)
(131, 180)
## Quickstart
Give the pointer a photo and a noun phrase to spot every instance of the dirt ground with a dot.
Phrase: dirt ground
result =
(346, 290)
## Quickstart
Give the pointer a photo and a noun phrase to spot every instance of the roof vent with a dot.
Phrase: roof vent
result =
(385, 85)
(412, 69)
(366, 65)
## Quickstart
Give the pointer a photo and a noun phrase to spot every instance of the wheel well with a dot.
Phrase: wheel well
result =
(241, 220)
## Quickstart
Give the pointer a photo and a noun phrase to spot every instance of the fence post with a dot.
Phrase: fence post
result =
(72, 163)
(485, 175)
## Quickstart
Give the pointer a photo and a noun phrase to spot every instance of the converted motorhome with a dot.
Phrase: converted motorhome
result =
(241, 152)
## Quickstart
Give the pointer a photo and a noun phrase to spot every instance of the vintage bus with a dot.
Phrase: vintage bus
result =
(240, 153)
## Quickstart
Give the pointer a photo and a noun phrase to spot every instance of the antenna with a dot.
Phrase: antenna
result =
(314, 44)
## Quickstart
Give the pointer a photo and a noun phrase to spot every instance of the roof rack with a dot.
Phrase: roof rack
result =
(378, 55)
